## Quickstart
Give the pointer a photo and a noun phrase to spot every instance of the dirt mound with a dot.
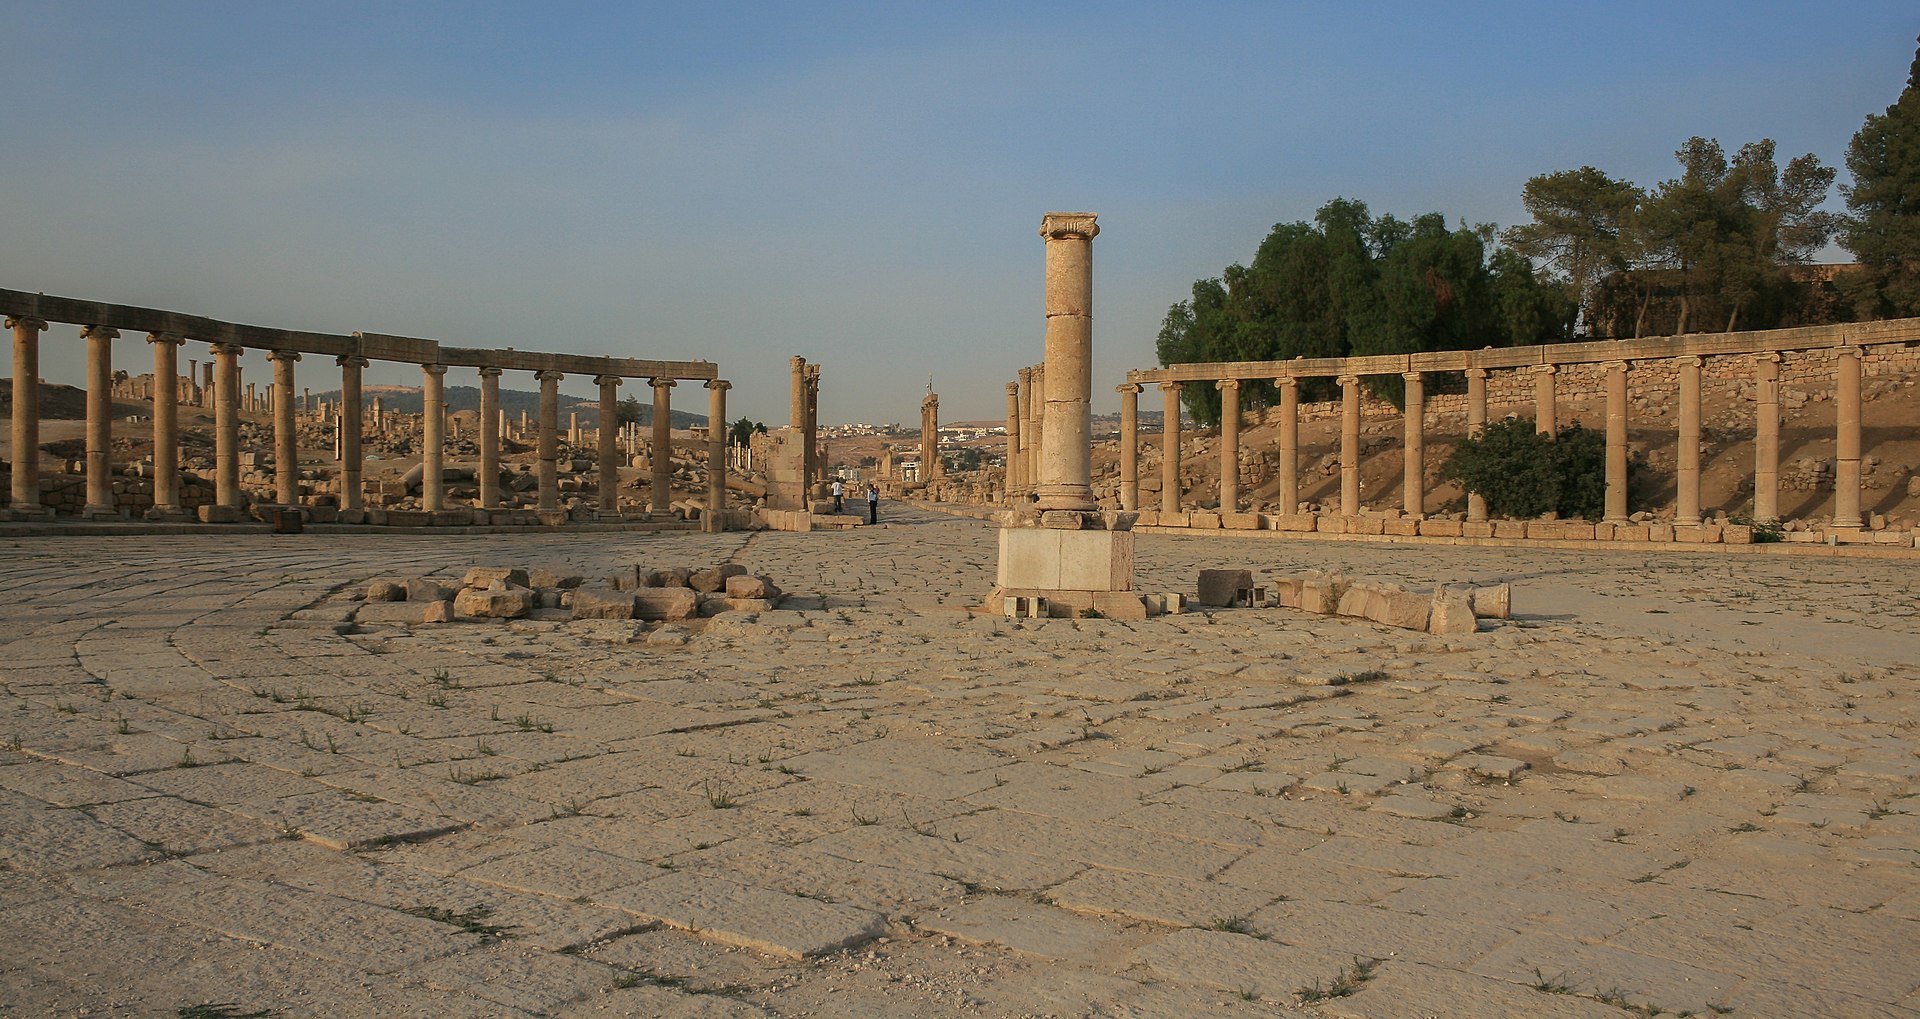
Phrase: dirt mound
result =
(56, 402)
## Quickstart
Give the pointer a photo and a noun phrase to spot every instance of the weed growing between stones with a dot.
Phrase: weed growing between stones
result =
(1345, 982)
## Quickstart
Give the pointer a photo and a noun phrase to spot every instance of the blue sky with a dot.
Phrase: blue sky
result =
(860, 184)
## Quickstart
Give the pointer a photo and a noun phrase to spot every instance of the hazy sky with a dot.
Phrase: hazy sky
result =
(858, 184)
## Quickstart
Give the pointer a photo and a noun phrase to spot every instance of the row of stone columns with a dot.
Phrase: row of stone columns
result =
(1026, 418)
(25, 485)
(1687, 508)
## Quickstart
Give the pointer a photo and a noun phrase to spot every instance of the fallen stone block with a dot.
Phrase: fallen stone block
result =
(1319, 596)
(541, 576)
(482, 576)
(676, 577)
(597, 603)
(670, 603)
(1494, 602)
(426, 589)
(752, 587)
(1218, 587)
(387, 590)
(498, 601)
(1396, 606)
(437, 612)
(1451, 611)
(714, 578)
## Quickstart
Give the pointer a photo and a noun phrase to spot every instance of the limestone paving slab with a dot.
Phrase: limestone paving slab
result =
(752, 917)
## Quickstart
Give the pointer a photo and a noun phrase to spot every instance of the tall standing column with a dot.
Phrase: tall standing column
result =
(608, 435)
(1616, 498)
(1170, 447)
(26, 413)
(1476, 427)
(815, 470)
(1766, 437)
(352, 417)
(100, 422)
(797, 394)
(1687, 454)
(550, 439)
(1027, 433)
(286, 453)
(1546, 418)
(433, 424)
(1349, 445)
(166, 425)
(1129, 445)
(1039, 427)
(1289, 492)
(714, 519)
(1066, 459)
(489, 437)
(662, 495)
(1012, 440)
(1413, 478)
(1229, 445)
(226, 425)
(930, 467)
(1846, 451)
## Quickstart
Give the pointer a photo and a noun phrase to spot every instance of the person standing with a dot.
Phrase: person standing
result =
(839, 489)
(873, 504)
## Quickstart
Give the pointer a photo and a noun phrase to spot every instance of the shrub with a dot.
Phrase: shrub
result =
(1522, 473)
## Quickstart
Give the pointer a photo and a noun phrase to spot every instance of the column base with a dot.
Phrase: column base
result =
(26, 513)
(167, 515)
(609, 518)
(99, 513)
(221, 514)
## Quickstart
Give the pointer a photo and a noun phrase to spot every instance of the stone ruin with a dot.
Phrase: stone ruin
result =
(1443, 609)
(629, 593)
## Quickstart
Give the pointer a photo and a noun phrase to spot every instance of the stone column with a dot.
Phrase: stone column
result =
(1013, 441)
(166, 425)
(1229, 444)
(797, 394)
(930, 469)
(26, 413)
(1413, 477)
(1170, 447)
(286, 453)
(1687, 454)
(1766, 437)
(1545, 412)
(573, 430)
(226, 424)
(1476, 427)
(1616, 499)
(1129, 445)
(490, 418)
(1066, 465)
(549, 439)
(1027, 449)
(1039, 427)
(352, 416)
(1349, 445)
(714, 520)
(1846, 443)
(100, 422)
(607, 435)
(815, 470)
(1289, 492)
(433, 424)
(662, 446)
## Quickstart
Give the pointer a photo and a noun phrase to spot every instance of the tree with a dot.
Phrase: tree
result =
(627, 411)
(1884, 232)
(742, 431)
(1580, 218)
(1523, 473)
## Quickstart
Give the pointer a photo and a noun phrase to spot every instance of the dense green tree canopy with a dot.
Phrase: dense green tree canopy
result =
(1884, 233)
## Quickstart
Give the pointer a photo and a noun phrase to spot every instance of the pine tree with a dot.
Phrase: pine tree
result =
(1884, 234)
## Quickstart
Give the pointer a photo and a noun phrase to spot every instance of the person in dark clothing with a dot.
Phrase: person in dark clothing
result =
(873, 504)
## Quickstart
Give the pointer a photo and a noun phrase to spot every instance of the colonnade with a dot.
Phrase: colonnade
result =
(1026, 431)
(1686, 354)
(28, 315)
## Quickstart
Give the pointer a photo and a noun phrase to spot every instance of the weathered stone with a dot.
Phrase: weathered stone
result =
(1218, 587)
(1319, 596)
(598, 603)
(677, 577)
(482, 576)
(1494, 602)
(437, 612)
(428, 589)
(387, 590)
(663, 603)
(545, 577)
(499, 601)
(751, 587)
(714, 578)
(1452, 611)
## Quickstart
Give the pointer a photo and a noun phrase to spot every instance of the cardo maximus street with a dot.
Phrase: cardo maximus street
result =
(1668, 783)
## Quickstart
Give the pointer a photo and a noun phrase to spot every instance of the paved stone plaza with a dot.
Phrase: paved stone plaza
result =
(1678, 782)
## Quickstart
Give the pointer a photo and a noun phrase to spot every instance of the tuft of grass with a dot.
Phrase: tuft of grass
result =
(1237, 925)
(1369, 676)
(221, 1010)
(469, 922)
(718, 796)
(1345, 982)
(1551, 985)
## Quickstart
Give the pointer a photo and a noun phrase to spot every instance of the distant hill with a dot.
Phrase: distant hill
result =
(408, 400)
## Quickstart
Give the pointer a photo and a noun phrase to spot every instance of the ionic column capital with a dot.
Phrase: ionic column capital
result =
(284, 355)
(721, 385)
(230, 349)
(1227, 385)
(26, 322)
(1173, 387)
(1059, 225)
(350, 361)
(1286, 382)
(662, 383)
(1689, 361)
(1476, 373)
(1616, 366)
(605, 381)
(1123, 388)
(174, 338)
(1413, 376)
(1545, 369)
(1848, 351)
(488, 371)
(99, 333)
(434, 369)
(1348, 381)
(796, 362)
(549, 375)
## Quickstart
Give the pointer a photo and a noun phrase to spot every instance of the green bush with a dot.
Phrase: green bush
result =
(1522, 473)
